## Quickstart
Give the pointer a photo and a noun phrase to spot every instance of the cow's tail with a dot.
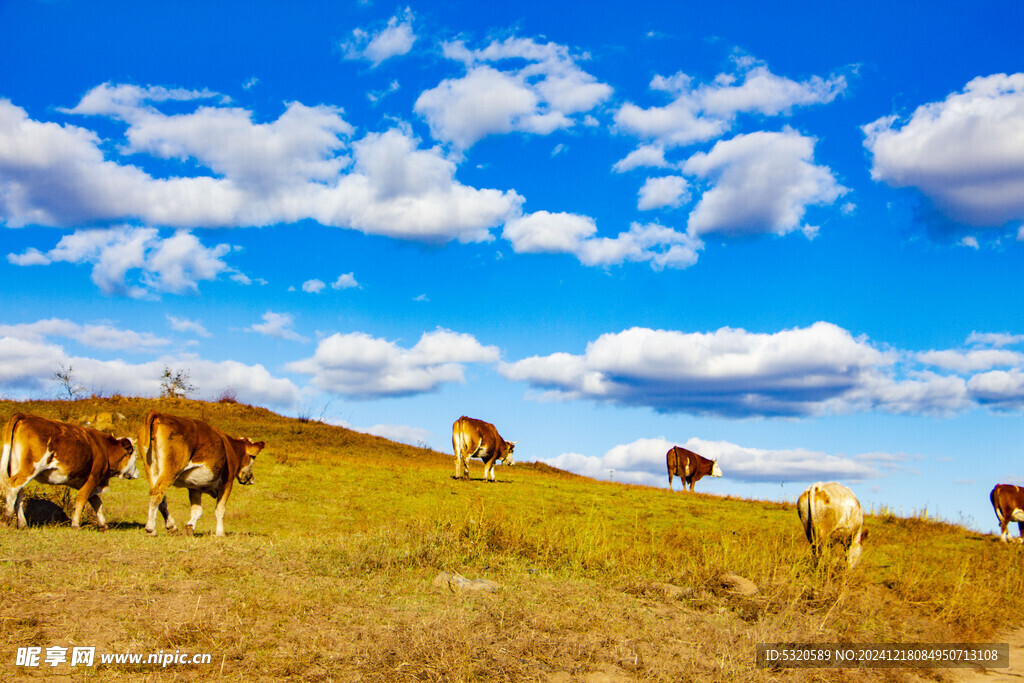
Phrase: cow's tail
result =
(5, 457)
(146, 440)
(995, 505)
(460, 439)
(812, 495)
(671, 462)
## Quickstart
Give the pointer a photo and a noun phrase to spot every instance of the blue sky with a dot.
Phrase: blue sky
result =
(790, 239)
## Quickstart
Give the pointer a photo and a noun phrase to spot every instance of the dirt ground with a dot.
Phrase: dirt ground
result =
(1014, 673)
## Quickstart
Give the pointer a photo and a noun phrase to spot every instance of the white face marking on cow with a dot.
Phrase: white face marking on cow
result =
(130, 471)
(245, 475)
(716, 471)
(508, 454)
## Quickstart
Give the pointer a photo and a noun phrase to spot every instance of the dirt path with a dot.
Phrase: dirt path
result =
(1014, 673)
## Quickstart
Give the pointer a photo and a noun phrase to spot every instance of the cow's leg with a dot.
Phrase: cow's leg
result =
(195, 498)
(17, 482)
(20, 507)
(15, 507)
(489, 470)
(1020, 532)
(158, 500)
(11, 502)
(169, 523)
(222, 504)
(97, 506)
(458, 465)
(84, 494)
(670, 480)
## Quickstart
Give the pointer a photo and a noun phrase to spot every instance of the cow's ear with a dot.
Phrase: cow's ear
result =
(127, 445)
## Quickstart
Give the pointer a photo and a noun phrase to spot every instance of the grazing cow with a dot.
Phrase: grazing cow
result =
(37, 449)
(689, 467)
(180, 451)
(478, 439)
(1008, 502)
(831, 514)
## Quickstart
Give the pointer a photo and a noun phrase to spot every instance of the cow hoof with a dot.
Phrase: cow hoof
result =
(172, 529)
(190, 531)
(151, 532)
(102, 527)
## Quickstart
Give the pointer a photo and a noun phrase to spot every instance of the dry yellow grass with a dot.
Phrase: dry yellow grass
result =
(326, 573)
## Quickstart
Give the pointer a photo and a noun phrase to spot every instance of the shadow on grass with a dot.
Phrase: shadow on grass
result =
(125, 526)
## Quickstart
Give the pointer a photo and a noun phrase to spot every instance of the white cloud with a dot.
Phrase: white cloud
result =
(545, 232)
(27, 366)
(645, 155)
(345, 281)
(299, 146)
(186, 325)
(31, 257)
(971, 361)
(643, 462)
(921, 393)
(57, 175)
(277, 325)
(667, 191)
(539, 98)
(398, 190)
(92, 335)
(965, 153)
(175, 264)
(660, 246)
(761, 183)
(1002, 390)
(414, 436)
(313, 286)
(394, 40)
(360, 366)
(996, 339)
(707, 111)
(298, 167)
(729, 372)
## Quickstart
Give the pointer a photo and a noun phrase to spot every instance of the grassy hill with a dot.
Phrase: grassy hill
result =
(327, 570)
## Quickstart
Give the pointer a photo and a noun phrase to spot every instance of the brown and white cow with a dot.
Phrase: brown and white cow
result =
(473, 438)
(49, 452)
(180, 451)
(831, 514)
(1008, 502)
(689, 467)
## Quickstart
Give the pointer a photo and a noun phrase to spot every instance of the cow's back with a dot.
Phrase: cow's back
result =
(77, 449)
(1007, 498)
(830, 511)
(173, 442)
(474, 434)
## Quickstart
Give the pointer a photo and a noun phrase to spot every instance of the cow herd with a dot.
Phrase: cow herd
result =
(191, 454)
(176, 451)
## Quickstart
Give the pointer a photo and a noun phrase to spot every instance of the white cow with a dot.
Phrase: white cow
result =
(831, 514)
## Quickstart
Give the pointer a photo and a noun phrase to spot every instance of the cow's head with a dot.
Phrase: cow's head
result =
(716, 471)
(125, 466)
(249, 452)
(507, 460)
